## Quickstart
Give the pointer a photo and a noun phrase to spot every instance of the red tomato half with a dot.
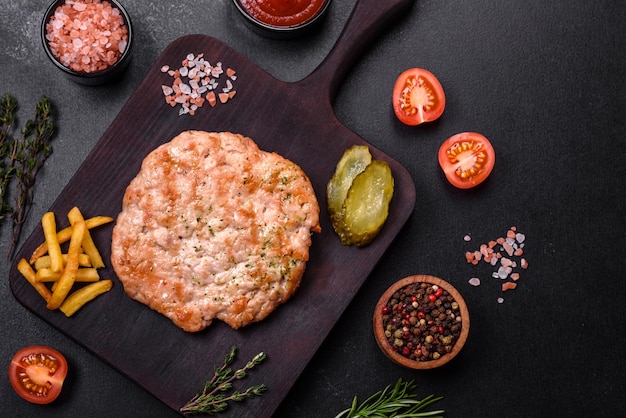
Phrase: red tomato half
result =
(37, 373)
(467, 159)
(418, 97)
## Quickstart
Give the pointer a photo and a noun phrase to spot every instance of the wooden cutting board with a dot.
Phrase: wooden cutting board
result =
(295, 119)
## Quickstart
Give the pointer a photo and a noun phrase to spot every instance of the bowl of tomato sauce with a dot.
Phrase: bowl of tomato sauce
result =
(283, 18)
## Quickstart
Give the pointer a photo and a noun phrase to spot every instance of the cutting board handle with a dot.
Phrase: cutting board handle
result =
(366, 22)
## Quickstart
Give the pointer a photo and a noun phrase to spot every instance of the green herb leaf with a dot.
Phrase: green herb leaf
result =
(396, 401)
(21, 159)
(211, 398)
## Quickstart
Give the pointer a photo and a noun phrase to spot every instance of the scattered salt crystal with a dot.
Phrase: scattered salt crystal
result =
(474, 281)
(184, 88)
(467, 238)
(508, 286)
(505, 258)
(192, 81)
(508, 248)
(503, 272)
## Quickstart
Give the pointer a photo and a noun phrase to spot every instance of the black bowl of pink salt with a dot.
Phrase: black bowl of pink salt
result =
(283, 19)
(89, 40)
(421, 322)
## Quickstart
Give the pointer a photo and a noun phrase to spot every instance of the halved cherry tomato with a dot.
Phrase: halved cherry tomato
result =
(466, 159)
(418, 97)
(37, 373)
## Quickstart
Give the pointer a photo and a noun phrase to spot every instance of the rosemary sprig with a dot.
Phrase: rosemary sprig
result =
(393, 402)
(212, 397)
(27, 157)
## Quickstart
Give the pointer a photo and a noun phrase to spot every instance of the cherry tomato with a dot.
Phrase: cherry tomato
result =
(37, 373)
(418, 97)
(466, 159)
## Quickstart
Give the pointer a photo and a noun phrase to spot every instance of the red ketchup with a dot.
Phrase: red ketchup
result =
(282, 13)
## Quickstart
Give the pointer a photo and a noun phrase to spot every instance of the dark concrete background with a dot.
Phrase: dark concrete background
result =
(543, 80)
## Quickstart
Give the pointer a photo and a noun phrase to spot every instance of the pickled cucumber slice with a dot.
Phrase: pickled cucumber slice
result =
(366, 207)
(353, 162)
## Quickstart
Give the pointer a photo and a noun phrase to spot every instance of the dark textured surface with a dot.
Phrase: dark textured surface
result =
(543, 80)
(142, 344)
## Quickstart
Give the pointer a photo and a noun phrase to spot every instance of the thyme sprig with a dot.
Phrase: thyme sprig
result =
(21, 159)
(8, 106)
(393, 402)
(212, 398)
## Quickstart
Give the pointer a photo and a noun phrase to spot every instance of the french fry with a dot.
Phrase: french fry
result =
(65, 283)
(88, 274)
(29, 274)
(44, 261)
(54, 248)
(89, 246)
(76, 300)
(63, 270)
(65, 234)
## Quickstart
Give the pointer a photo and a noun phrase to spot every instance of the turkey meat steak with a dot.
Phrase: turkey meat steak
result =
(213, 227)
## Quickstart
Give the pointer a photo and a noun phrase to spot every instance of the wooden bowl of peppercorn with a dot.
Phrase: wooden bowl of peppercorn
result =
(421, 322)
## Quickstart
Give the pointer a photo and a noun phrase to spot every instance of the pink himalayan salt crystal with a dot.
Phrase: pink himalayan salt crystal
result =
(91, 29)
(474, 281)
(508, 286)
(512, 244)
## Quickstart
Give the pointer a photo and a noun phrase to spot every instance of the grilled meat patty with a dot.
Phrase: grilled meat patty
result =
(214, 227)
